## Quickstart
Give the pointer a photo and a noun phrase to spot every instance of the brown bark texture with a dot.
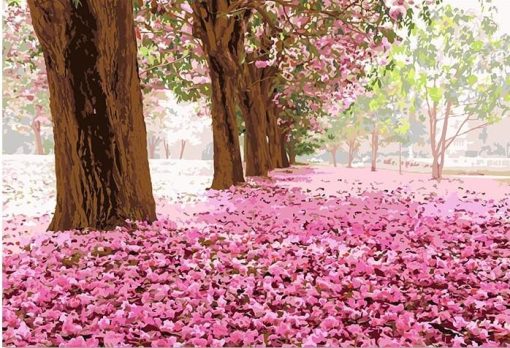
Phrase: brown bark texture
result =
(291, 150)
(253, 108)
(101, 163)
(274, 136)
(283, 151)
(218, 33)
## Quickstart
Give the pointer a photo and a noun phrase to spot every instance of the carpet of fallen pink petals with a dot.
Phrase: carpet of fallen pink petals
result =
(306, 258)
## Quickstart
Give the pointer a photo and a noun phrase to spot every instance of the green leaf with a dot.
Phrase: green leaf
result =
(389, 34)
(435, 94)
(471, 80)
(477, 45)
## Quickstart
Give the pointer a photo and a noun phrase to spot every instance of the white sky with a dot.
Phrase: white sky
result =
(503, 6)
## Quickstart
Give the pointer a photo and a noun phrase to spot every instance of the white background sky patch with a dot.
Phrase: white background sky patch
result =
(502, 17)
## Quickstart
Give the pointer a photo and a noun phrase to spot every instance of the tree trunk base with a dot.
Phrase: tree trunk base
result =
(101, 165)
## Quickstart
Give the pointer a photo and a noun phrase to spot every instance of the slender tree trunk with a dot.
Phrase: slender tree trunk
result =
(291, 150)
(218, 34)
(166, 147)
(153, 143)
(285, 159)
(152, 150)
(333, 156)
(436, 168)
(183, 144)
(101, 164)
(438, 146)
(36, 128)
(375, 146)
(350, 155)
(400, 158)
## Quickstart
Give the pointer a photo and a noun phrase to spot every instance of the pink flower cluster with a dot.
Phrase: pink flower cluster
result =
(268, 265)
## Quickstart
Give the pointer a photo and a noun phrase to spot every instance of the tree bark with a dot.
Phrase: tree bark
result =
(183, 144)
(252, 104)
(218, 33)
(36, 128)
(375, 147)
(350, 156)
(257, 149)
(436, 168)
(245, 147)
(285, 159)
(101, 164)
(274, 137)
(228, 168)
(333, 156)
(166, 147)
(438, 147)
(291, 150)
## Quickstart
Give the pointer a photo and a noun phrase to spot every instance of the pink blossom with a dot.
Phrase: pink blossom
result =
(262, 64)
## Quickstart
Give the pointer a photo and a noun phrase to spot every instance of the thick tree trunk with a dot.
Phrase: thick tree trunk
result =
(274, 137)
(228, 168)
(102, 170)
(253, 108)
(183, 144)
(218, 34)
(36, 128)
(257, 150)
(375, 147)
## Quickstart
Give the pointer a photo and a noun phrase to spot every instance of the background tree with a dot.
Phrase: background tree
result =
(400, 132)
(185, 123)
(456, 70)
(345, 131)
(155, 119)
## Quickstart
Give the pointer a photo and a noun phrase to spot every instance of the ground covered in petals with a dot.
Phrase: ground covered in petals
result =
(290, 260)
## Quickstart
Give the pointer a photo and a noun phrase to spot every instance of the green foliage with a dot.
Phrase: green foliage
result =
(458, 59)
(345, 129)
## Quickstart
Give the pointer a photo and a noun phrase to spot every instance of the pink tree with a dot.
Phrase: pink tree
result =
(255, 50)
